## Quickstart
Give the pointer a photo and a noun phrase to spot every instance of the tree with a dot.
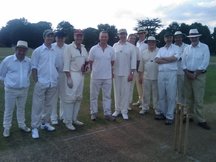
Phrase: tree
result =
(68, 29)
(173, 27)
(112, 31)
(151, 25)
(214, 41)
(90, 37)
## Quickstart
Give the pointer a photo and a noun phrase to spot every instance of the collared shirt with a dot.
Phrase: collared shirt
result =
(141, 45)
(15, 73)
(74, 59)
(196, 58)
(60, 55)
(125, 58)
(148, 64)
(179, 62)
(172, 50)
(44, 59)
(101, 67)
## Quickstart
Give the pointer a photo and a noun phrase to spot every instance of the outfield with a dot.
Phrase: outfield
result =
(19, 140)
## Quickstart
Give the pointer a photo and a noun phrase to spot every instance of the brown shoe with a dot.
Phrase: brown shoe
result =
(109, 118)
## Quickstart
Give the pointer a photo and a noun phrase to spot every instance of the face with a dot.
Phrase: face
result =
(123, 36)
(194, 40)
(178, 39)
(60, 40)
(21, 52)
(141, 36)
(132, 39)
(168, 40)
(78, 38)
(103, 37)
(49, 39)
(151, 44)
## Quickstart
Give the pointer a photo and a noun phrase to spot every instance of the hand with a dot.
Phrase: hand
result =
(190, 76)
(130, 77)
(69, 82)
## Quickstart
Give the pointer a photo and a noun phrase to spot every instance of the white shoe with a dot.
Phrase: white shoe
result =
(129, 108)
(140, 106)
(77, 122)
(25, 129)
(70, 127)
(142, 112)
(125, 116)
(6, 132)
(54, 122)
(35, 133)
(115, 114)
(136, 103)
(47, 127)
(93, 116)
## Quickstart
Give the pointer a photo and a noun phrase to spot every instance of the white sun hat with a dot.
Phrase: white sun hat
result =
(194, 33)
(22, 44)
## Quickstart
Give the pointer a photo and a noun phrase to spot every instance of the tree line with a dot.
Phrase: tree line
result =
(22, 29)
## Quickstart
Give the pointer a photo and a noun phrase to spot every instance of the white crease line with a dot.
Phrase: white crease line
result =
(98, 131)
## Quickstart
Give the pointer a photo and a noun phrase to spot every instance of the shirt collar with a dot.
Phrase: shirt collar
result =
(74, 45)
(46, 48)
(198, 45)
(15, 58)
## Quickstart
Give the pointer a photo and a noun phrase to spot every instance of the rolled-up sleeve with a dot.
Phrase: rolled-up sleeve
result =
(35, 59)
(133, 58)
(67, 59)
(141, 66)
(206, 58)
(184, 55)
(3, 69)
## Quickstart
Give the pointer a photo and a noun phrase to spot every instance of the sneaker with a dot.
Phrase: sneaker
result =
(70, 127)
(168, 122)
(47, 127)
(77, 122)
(54, 122)
(93, 117)
(159, 117)
(6, 132)
(129, 108)
(140, 106)
(142, 112)
(136, 103)
(25, 129)
(109, 118)
(125, 116)
(35, 133)
(115, 114)
(204, 125)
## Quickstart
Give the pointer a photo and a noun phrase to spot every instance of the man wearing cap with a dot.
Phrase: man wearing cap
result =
(148, 73)
(194, 63)
(15, 71)
(75, 61)
(178, 38)
(101, 59)
(45, 76)
(166, 58)
(132, 39)
(124, 67)
(142, 47)
(59, 46)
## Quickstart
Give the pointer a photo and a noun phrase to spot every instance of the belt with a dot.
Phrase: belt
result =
(204, 71)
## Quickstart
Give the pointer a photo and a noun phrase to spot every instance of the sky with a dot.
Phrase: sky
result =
(121, 13)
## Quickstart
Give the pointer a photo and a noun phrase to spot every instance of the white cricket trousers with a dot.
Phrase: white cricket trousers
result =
(180, 90)
(15, 97)
(58, 95)
(72, 97)
(167, 87)
(150, 93)
(42, 104)
(95, 86)
(121, 94)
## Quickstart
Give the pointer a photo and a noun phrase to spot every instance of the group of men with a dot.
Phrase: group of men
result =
(58, 72)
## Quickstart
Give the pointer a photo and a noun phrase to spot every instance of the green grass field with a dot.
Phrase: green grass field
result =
(18, 139)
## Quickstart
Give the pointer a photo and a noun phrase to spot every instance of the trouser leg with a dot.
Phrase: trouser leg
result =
(146, 94)
(139, 87)
(68, 116)
(124, 94)
(161, 93)
(199, 91)
(54, 115)
(76, 110)
(117, 87)
(106, 90)
(171, 87)
(155, 95)
(10, 100)
(95, 85)
(20, 104)
(180, 89)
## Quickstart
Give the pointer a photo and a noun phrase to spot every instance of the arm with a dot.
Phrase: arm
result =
(67, 61)
(34, 75)
(133, 64)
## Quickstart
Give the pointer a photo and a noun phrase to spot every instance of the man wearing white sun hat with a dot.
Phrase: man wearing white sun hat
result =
(148, 73)
(195, 62)
(178, 38)
(15, 71)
